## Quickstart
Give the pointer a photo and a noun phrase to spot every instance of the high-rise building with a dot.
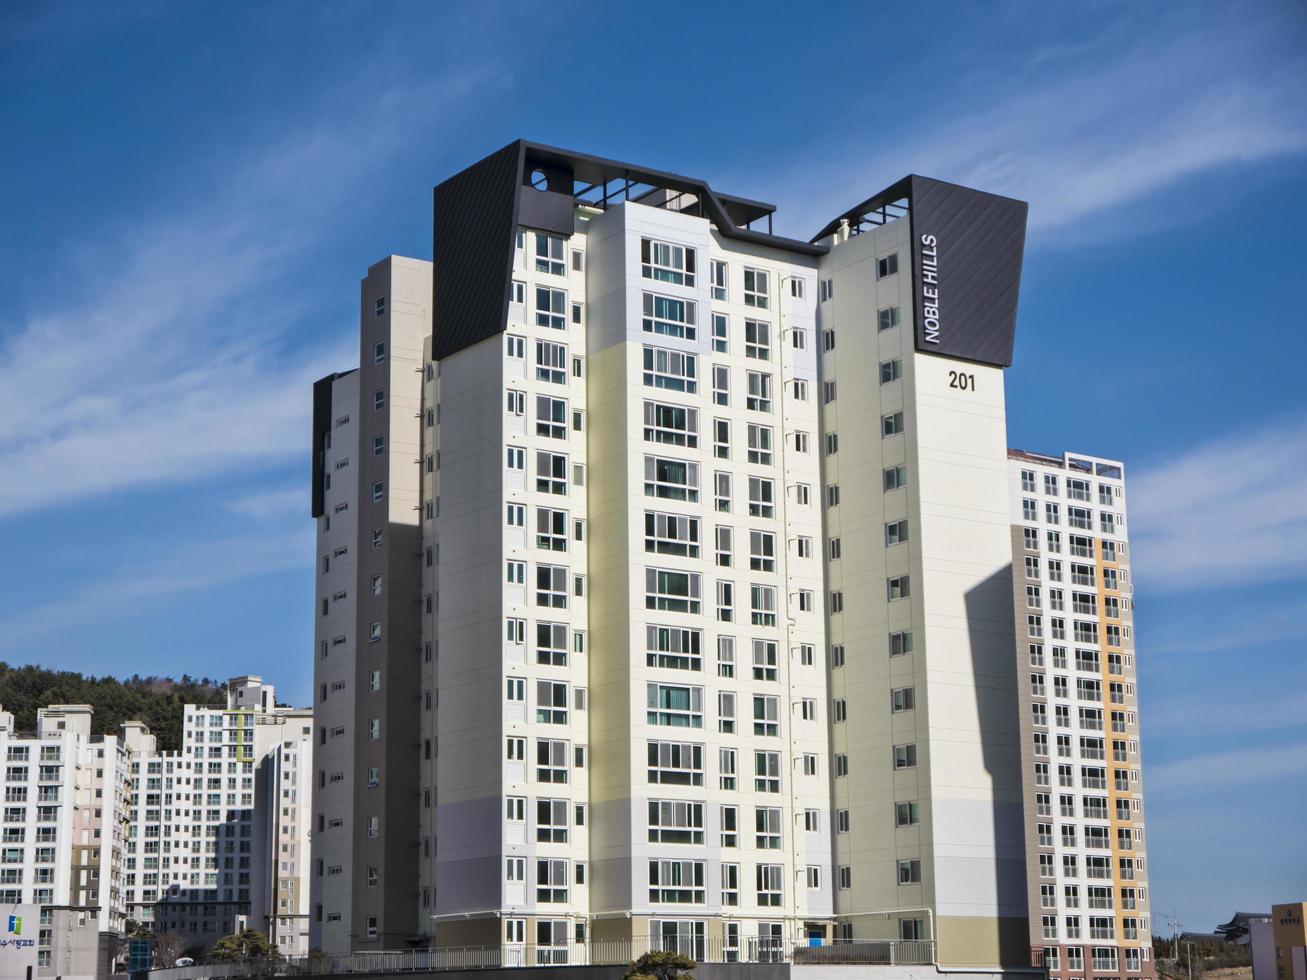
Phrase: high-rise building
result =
(218, 830)
(65, 835)
(1087, 878)
(665, 577)
(367, 444)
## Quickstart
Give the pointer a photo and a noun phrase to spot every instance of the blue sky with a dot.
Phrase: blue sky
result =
(192, 191)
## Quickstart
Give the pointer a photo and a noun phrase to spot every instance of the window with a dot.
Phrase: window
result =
(671, 534)
(825, 290)
(723, 549)
(756, 288)
(726, 712)
(718, 280)
(722, 492)
(907, 814)
(675, 763)
(898, 587)
(664, 262)
(887, 265)
(770, 881)
(551, 308)
(674, 705)
(760, 445)
(672, 591)
(891, 371)
(761, 497)
(551, 702)
(378, 352)
(669, 317)
(515, 572)
(828, 340)
(675, 822)
(551, 880)
(550, 250)
(719, 333)
(909, 872)
(551, 760)
(765, 660)
(903, 699)
(671, 479)
(767, 828)
(551, 644)
(762, 604)
(515, 346)
(721, 438)
(762, 551)
(905, 756)
(767, 772)
(896, 477)
(551, 472)
(758, 397)
(888, 317)
(832, 443)
(891, 425)
(551, 529)
(551, 821)
(551, 417)
(551, 586)
(551, 362)
(757, 340)
(766, 715)
(896, 532)
(380, 307)
(379, 399)
(674, 648)
(679, 882)
(672, 370)
(671, 425)
(827, 392)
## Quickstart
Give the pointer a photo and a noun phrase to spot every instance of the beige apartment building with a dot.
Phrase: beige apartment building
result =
(666, 580)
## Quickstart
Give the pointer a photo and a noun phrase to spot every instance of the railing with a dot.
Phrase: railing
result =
(752, 949)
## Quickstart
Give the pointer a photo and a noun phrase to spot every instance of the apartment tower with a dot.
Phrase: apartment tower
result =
(369, 621)
(1087, 876)
(665, 577)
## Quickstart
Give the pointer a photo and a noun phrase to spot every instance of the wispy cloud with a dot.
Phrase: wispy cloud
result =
(272, 505)
(169, 364)
(1118, 117)
(1233, 511)
(1256, 711)
(130, 590)
(1229, 768)
(1213, 632)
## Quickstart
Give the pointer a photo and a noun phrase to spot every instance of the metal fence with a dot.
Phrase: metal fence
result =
(596, 953)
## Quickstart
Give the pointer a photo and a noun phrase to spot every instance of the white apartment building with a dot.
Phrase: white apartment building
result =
(665, 578)
(218, 831)
(1088, 876)
(62, 836)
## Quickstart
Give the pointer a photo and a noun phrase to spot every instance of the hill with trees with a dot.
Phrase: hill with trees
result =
(157, 701)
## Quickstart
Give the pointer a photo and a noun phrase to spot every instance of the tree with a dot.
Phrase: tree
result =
(660, 965)
(169, 948)
(244, 946)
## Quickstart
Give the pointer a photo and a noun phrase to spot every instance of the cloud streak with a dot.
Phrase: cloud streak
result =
(129, 590)
(1231, 512)
(1224, 769)
(1123, 117)
(169, 366)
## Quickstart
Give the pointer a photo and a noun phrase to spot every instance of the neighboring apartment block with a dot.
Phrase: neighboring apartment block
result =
(666, 578)
(100, 831)
(218, 831)
(1087, 877)
(64, 836)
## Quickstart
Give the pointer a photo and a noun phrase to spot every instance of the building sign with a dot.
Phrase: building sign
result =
(967, 248)
(18, 941)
